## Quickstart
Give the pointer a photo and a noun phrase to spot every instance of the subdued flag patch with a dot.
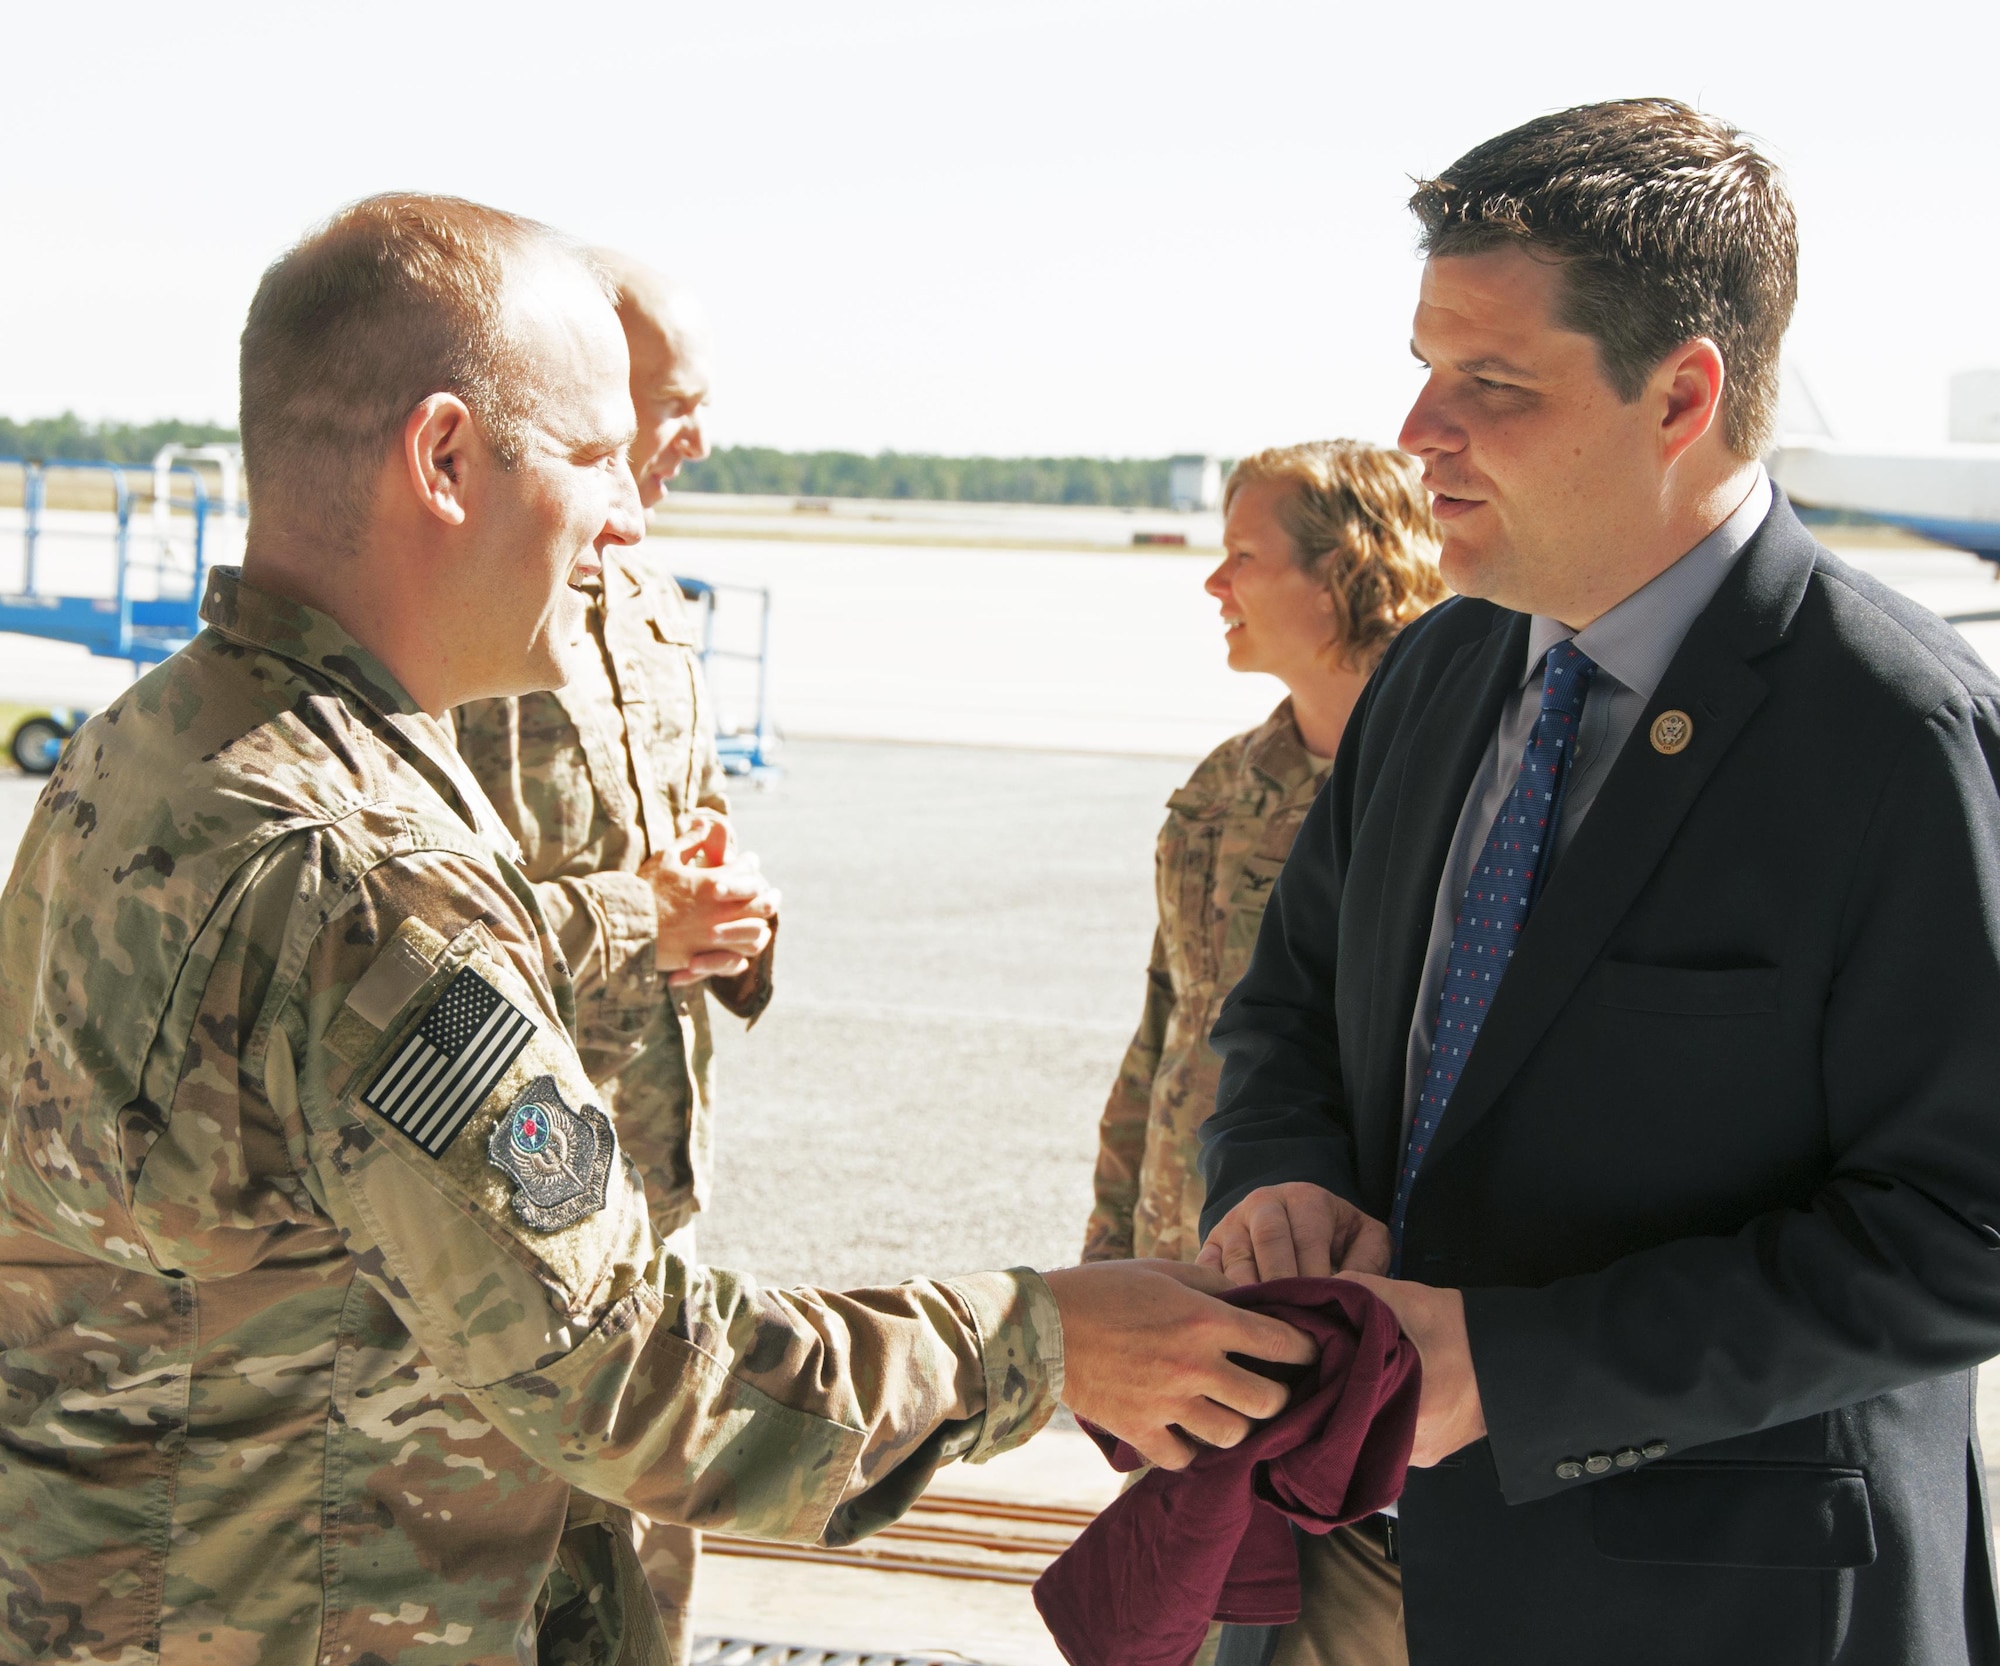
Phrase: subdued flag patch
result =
(459, 1053)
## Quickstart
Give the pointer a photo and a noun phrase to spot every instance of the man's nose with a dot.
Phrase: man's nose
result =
(1217, 583)
(626, 524)
(1427, 429)
(693, 441)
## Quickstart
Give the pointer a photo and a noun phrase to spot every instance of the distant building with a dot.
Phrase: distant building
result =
(1975, 406)
(1193, 483)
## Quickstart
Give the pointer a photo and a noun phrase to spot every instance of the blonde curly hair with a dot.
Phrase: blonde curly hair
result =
(1360, 523)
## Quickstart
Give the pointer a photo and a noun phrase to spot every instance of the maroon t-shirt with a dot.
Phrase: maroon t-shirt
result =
(1214, 1540)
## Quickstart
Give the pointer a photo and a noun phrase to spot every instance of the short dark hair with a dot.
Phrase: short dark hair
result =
(1670, 225)
(391, 300)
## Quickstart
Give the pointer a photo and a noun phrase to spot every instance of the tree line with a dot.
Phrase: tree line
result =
(1128, 482)
(1124, 482)
(71, 438)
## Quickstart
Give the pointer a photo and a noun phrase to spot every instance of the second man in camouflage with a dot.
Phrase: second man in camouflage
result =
(613, 788)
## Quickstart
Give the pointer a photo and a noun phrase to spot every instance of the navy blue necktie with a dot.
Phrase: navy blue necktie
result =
(1504, 883)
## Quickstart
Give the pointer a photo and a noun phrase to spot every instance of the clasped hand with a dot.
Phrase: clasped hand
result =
(1146, 1355)
(1299, 1230)
(715, 906)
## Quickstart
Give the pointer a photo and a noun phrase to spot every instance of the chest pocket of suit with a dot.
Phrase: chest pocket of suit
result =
(1688, 992)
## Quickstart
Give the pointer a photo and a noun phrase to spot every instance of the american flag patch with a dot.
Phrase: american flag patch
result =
(460, 1051)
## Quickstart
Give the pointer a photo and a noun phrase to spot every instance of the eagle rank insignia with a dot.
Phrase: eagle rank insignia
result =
(558, 1159)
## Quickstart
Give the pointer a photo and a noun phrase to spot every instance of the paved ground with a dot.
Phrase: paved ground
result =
(960, 965)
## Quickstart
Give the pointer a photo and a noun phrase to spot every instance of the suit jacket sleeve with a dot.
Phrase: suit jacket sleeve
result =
(1889, 1273)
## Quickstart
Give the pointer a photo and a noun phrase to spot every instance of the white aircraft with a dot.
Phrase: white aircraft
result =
(1950, 493)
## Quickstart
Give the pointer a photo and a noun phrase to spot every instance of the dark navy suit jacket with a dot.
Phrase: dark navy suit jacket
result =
(1721, 1178)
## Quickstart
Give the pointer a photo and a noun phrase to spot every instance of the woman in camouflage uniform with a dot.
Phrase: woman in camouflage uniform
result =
(1329, 551)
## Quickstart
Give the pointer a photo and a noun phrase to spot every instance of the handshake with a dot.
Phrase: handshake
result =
(1147, 1347)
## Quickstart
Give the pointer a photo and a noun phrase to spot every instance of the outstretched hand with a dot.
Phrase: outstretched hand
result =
(1297, 1230)
(1146, 1357)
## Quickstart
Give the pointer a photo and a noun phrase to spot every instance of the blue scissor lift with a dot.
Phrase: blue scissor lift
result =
(746, 752)
(158, 576)
(125, 624)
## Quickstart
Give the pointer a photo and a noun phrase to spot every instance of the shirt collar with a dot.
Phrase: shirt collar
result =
(308, 637)
(294, 631)
(1277, 752)
(1636, 640)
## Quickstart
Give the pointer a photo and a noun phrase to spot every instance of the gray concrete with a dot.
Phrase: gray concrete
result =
(960, 966)
(18, 793)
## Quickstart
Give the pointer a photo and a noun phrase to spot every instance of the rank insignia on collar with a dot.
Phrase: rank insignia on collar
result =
(558, 1159)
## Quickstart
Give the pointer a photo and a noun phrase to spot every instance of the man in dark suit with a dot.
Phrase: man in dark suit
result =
(1628, 1013)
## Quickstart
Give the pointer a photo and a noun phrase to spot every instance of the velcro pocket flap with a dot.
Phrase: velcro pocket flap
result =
(1687, 991)
(1735, 1515)
(1196, 805)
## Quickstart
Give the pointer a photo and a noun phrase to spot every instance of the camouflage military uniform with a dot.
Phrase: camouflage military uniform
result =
(1228, 832)
(325, 1283)
(592, 780)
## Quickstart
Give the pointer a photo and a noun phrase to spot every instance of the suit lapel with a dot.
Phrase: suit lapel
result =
(1446, 745)
(1638, 812)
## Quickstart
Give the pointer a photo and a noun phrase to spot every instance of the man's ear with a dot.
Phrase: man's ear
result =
(1692, 379)
(440, 441)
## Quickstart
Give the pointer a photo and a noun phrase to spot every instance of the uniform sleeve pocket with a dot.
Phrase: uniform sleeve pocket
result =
(1687, 991)
(1735, 1515)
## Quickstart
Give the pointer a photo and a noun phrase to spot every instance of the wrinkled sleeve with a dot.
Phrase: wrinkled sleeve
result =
(607, 927)
(452, 1135)
(1121, 1131)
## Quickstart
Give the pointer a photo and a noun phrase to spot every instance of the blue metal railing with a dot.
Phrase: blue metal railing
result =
(746, 751)
(119, 626)
(146, 630)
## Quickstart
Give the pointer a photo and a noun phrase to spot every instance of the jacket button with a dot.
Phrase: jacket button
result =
(1656, 1449)
(1597, 1463)
(1627, 1458)
(1569, 1470)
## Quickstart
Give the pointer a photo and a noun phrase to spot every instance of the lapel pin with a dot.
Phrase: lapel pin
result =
(1672, 730)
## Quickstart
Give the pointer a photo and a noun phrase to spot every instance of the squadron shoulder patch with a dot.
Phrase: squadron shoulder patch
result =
(558, 1159)
(437, 1078)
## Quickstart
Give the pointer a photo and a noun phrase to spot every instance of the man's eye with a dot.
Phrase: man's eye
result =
(1492, 386)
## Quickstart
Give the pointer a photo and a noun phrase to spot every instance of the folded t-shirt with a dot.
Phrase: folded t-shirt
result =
(1214, 1540)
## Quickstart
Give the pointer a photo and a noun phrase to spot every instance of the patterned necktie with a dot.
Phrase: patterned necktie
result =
(1503, 887)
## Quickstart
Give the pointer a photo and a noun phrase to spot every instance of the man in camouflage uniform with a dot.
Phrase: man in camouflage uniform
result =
(335, 1325)
(612, 786)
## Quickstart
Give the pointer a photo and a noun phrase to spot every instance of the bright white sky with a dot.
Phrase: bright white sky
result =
(1047, 226)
